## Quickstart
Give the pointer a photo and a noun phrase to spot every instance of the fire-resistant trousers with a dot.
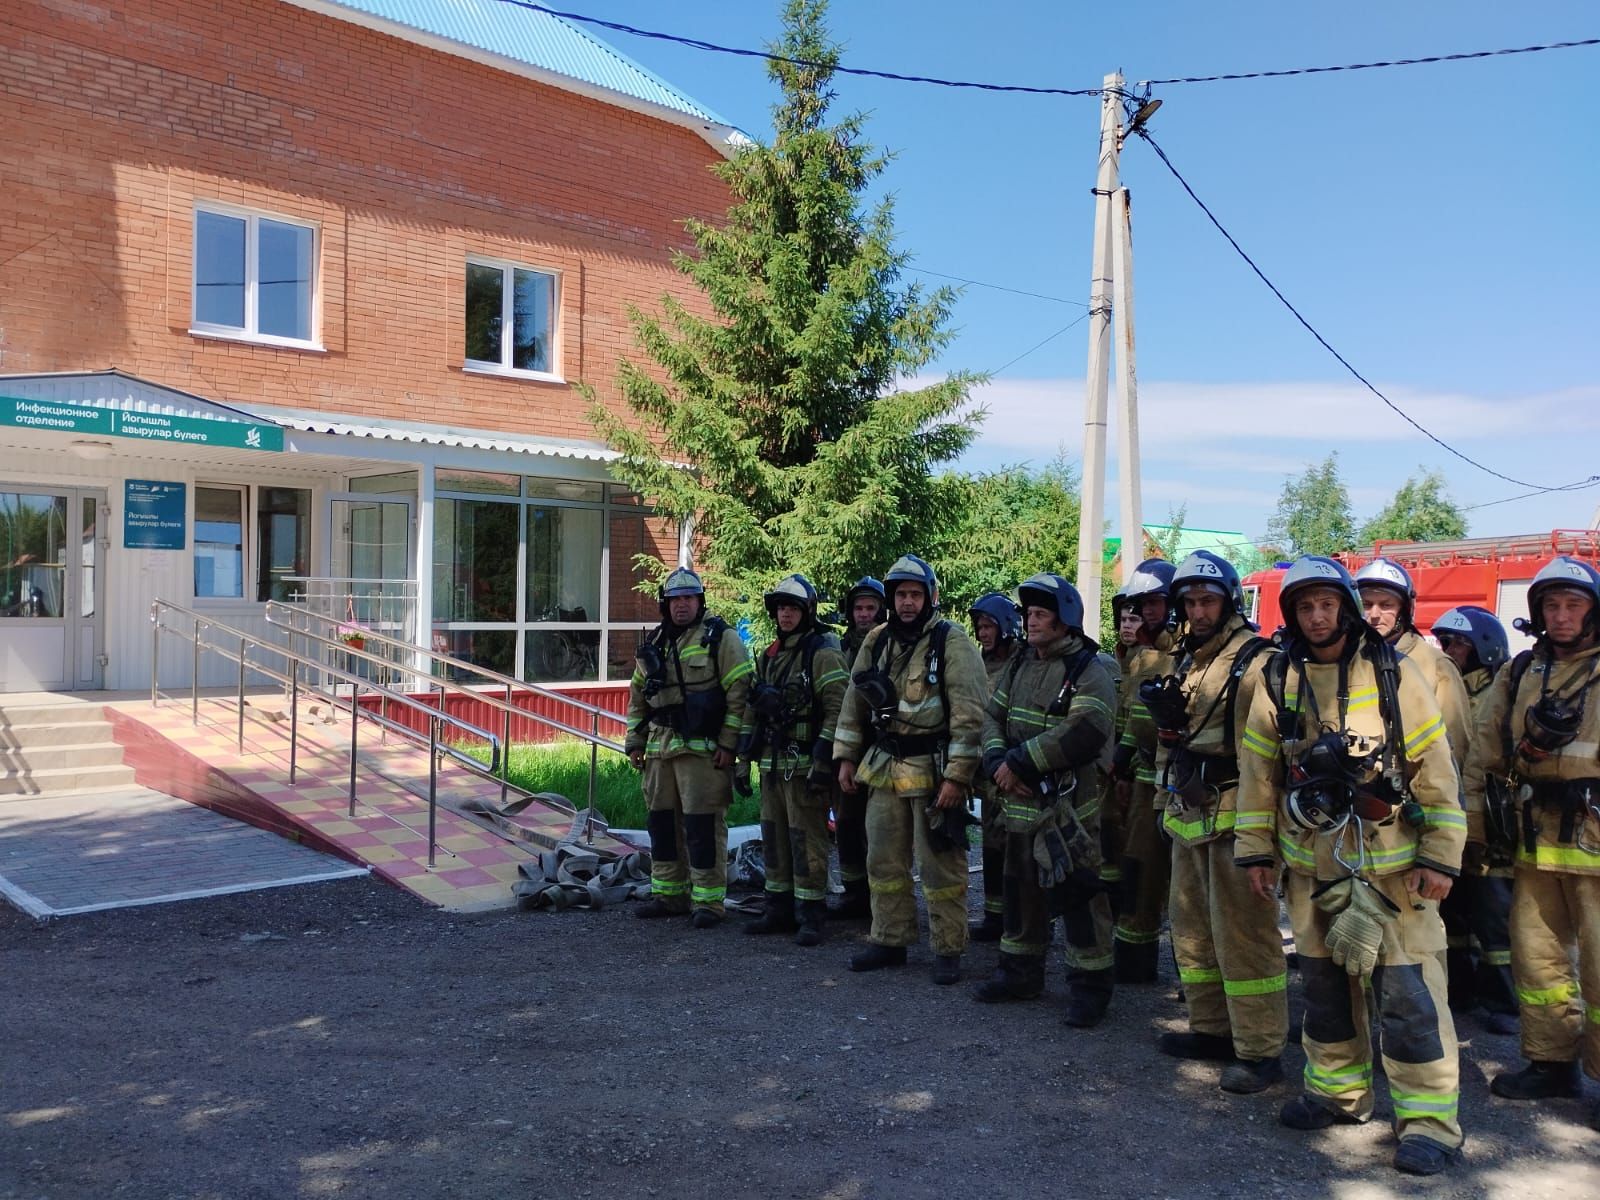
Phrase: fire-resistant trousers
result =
(994, 849)
(794, 836)
(1146, 872)
(1418, 1038)
(1229, 951)
(1550, 911)
(1477, 924)
(896, 827)
(1086, 918)
(850, 828)
(688, 800)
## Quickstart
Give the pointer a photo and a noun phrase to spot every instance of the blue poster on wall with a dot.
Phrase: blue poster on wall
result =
(153, 515)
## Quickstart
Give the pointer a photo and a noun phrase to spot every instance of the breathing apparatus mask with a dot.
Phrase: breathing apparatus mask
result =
(654, 666)
(1169, 707)
(1323, 781)
(767, 703)
(877, 692)
(1548, 725)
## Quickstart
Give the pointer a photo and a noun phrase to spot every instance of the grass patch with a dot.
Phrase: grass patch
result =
(564, 767)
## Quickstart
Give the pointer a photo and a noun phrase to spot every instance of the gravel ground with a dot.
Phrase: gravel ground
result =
(342, 1040)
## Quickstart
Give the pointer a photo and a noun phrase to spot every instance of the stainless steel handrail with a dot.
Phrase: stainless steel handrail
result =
(289, 616)
(247, 641)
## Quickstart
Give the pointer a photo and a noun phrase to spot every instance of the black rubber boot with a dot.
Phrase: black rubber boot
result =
(1539, 1081)
(946, 969)
(813, 915)
(875, 957)
(1015, 978)
(1306, 1115)
(704, 918)
(1086, 1009)
(1423, 1156)
(1136, 962)
(989, 929)
(1207, 1047)
(854, 905)
(776, 917)
(654, 909)
(1247, 1076)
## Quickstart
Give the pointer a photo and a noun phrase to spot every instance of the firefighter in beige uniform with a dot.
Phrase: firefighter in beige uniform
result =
(1046, 725)
(997, 628)
(1225, 938)
(1346, 779)
(865, 608)
(910, 730)
(686, 701)
(1477, 912)
(1537, 754)
(1145, 867)
(788, 731)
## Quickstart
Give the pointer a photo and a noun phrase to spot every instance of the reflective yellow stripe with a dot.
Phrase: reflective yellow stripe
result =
(1136, 937)
(1294, 854)
(801, 893)
(1256, 744)
(1438, 818)
(1026, 949)
(1085, 962)
(737, 671)
(1253, 820)
(1497, 958)
(1559, 856)
(1200, 828)
(1200, 975)
(1417, 1106)
(705, 895)
(889, 886)
(1256, 987)
(1591, 1013)
(668, 887)
(954, 891)
(1547, 997)
(1337, 1083)
(1420, 739)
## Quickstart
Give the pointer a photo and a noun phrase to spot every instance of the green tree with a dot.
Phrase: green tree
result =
(1419, 512)
(1010, 524)
(1313, 515)
(802, 451)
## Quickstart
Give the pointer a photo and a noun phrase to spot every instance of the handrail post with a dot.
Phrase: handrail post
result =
(242, 649)
(155, 653)
(355, 693)
(505, 749)
(194, 676)
(594, 766)
(294, 718)
(433, 786)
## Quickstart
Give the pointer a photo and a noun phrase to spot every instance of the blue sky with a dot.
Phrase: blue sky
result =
(1436, 223)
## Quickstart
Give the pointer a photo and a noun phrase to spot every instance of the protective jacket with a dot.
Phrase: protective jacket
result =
(1557, 799)
(800, 681)
(1050, 715)
(674, 709)
(1138, 739)
(934, 730)
(1442, 675)
(1264, 831)
(1216, 704)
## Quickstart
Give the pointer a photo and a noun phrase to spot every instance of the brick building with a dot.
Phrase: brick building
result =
(301, 288)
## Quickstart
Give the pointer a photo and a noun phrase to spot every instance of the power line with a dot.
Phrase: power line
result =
(998, 287)
(699, 44)
(1372, 66)
(1344, 362)
(1527, 495)
(1040, 345)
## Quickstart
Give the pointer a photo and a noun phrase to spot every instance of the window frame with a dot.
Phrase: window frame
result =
(250, 551)
(250, 331)
(503, 368)
(246, 532)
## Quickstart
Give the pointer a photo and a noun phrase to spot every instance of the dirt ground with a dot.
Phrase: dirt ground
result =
(342, 1040)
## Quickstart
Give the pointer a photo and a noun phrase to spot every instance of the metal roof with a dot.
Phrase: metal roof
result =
(117, 390)
(432, 435)
(538, 44)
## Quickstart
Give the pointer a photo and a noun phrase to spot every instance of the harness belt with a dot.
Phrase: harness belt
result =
(909, 745)
(1572, 797)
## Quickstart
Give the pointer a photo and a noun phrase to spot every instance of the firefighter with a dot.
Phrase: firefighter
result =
(1146, 854)
(686, 702)
(866, 607)
(1534, 777)
(788, 729)
(1346, 779)
(1047, 722)
(1224, 937)
(1389, 600)
(997, 628)
(910, 731)
(1477, 912)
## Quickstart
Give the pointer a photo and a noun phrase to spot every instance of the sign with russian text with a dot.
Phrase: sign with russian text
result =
(153, 515)
(60, 417)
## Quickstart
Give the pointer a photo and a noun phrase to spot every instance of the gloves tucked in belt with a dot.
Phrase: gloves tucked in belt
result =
(947, 827)
(741, 778)
(1051, 857)
(1356, 933)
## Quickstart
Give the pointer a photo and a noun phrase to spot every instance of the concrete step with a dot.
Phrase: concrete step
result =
(74, 732)
(59, 779)
(50, 714)
(76, 754)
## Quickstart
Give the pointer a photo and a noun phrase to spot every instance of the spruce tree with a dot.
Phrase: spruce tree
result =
(780, 423)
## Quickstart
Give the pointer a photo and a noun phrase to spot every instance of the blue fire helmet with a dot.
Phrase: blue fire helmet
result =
(795, 590)
(866, 586)
(1152, 577)
(1208, 572)
(1000, 609)
(682, 582)
(1054, 594)
(908, 568)
(1478, 626)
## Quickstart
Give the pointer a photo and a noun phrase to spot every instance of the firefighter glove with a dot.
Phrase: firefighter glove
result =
(741, 778)
(1051, 857)
(1356, 934)
(947, 827)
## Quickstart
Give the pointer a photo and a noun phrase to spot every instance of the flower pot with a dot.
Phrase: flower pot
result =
(355, 643)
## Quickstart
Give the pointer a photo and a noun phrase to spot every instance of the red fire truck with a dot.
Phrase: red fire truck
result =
(1493, 573)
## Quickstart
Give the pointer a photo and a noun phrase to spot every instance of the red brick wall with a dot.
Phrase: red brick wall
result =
(120, 114)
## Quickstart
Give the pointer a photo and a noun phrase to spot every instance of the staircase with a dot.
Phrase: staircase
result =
(50, 749)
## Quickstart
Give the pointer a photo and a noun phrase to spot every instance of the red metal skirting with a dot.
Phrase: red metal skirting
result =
(611, 697)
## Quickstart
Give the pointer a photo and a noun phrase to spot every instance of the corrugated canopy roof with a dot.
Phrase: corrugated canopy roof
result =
(432, 435)
(544, 45)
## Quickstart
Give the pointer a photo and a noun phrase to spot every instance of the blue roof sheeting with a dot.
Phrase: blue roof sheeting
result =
(535, 39)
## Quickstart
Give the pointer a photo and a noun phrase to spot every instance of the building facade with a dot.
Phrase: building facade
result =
(298, 288)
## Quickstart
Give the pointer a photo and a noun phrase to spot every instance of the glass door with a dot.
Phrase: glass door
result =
(371, 560)
(52, 544)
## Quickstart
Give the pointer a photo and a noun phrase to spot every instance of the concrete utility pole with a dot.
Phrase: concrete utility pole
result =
(1091, 518)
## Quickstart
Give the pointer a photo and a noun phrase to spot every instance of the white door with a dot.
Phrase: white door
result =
(52, 588)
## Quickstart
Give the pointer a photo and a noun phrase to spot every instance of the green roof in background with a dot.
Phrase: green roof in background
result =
(1225, 542)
